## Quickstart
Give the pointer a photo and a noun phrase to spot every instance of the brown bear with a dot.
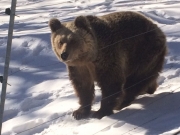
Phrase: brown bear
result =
(122, 52)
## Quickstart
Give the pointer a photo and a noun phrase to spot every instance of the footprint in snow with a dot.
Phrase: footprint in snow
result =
(25, 44)
(33, 102)
(30, 103)
(173, 58)
(42, 96)
(118, 124)
(161, 79)
(106, 129)
(26, 126)
(177, 73)
(10, 113)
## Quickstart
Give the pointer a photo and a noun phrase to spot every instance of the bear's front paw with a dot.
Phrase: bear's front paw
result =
(81, 113)
(101, 113)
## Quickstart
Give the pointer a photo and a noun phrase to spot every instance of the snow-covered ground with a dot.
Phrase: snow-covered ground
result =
(41, 99)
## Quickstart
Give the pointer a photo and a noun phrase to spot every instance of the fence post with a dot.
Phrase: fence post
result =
(6, 67)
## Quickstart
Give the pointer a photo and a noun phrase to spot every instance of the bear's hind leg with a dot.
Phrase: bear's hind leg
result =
(134, 87)
(84, 88)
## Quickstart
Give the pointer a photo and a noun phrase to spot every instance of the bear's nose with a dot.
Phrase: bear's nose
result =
(64, 55)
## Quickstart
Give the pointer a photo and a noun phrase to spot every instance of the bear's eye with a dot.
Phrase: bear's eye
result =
(61, 43)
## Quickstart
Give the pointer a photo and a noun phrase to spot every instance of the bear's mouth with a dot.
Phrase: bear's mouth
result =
(80, 59)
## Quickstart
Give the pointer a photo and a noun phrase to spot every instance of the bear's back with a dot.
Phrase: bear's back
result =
(129, 35)
(120, 25)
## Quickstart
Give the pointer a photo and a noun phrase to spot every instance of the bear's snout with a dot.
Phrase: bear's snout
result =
(64, 56)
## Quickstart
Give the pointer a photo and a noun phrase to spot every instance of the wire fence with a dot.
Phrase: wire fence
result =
(117, 121)
(104, 97)
(101, 99)
(99, 49)
(98, 102)
(25, 68)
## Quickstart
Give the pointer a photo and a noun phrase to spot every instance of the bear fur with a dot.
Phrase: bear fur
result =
(122, 52)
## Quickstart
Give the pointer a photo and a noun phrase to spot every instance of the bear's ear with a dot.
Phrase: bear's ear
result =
(54, 24)
(82, 22)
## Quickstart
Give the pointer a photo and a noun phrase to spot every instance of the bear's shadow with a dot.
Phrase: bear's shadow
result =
(158, 113)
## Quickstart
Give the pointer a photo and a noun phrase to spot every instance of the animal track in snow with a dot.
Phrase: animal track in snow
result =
(33, 102)
(161, 79)
(3, 42)
(30, 103)
(159, 18)
(27, 125)
(176, 74)
(42, 96)
(165, 15)
(24, 44)
(106, 129)
(9, 113)
(118, 124)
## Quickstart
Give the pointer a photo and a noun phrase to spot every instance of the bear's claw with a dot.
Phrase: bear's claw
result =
(81, 114)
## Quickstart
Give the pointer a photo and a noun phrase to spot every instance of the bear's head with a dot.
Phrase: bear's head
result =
(73, 42)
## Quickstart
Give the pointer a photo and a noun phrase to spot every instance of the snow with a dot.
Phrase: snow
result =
(40, 100)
